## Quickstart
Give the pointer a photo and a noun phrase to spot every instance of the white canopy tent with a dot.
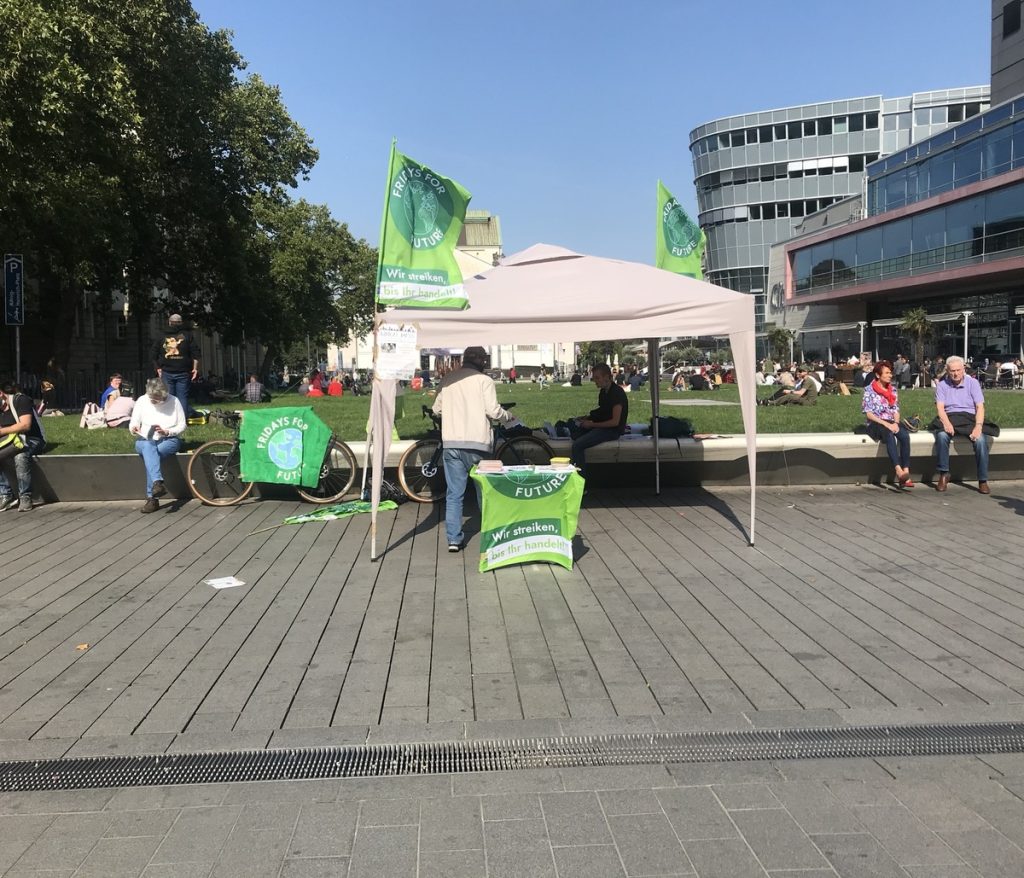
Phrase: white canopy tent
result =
(547, 292)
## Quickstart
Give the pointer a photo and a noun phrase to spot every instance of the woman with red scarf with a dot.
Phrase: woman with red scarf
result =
(882, 409)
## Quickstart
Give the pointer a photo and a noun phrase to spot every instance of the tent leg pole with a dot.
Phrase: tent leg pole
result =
(653, 378)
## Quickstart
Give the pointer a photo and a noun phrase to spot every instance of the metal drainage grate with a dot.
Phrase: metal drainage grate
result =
(398, 760)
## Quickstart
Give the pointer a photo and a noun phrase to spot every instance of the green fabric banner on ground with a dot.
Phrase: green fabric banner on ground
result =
(423, 216)
(339, 510)
(528, 516)
(286, 446)
(680, 241)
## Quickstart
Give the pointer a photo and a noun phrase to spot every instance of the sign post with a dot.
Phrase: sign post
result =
(14, 303)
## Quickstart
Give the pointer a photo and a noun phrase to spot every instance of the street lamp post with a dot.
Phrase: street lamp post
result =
(967, 318)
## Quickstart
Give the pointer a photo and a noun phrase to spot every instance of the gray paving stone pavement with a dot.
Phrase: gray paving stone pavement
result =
(111, 644)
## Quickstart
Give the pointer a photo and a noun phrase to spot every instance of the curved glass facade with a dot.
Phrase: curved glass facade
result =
(758, 175)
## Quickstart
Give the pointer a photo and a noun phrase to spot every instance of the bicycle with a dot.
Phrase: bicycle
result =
(421, 472)
(215, 470)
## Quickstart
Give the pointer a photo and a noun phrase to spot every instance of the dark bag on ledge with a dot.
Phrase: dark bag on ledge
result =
(963, 424)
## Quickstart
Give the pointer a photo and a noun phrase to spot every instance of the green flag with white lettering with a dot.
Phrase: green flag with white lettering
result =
(680, 241)
(423, 216)
(286, 446)
(528, 516)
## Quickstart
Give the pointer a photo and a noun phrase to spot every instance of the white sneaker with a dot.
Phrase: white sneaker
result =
(25, 503)
(8, 501)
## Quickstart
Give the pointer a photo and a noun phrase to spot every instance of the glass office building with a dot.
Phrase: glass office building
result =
(759, 174)
(945, 231)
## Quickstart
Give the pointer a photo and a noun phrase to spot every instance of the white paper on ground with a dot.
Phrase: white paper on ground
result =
(224, 582)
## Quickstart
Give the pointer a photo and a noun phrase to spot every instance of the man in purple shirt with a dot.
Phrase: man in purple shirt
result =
(961, 409)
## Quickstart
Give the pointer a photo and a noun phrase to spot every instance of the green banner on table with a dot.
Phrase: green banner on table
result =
(285, 446)
(679, 240)
(528, 516)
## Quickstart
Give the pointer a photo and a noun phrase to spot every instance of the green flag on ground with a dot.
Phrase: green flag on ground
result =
(339, 510)
(680, 241)
(286, 446)
(423, 216)
(528, 516)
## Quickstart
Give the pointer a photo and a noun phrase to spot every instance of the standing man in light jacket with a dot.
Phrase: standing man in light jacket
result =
(467, 403)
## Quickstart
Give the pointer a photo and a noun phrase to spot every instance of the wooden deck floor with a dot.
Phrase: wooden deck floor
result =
(856, 605)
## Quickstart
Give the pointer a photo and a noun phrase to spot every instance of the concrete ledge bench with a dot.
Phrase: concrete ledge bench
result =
(782, 459)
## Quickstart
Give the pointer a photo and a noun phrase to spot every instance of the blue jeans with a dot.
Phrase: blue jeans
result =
(178, 384)
(22, 466)
(942, 440)
(897, 444)
(152, 452)
(457, 464)
(589, 440)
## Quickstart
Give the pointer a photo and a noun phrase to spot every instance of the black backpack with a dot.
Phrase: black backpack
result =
(672, 428)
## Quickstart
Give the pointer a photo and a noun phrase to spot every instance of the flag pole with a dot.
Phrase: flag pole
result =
(375, 500)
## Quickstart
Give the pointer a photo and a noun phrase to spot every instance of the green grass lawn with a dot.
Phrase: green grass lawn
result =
(347, 416)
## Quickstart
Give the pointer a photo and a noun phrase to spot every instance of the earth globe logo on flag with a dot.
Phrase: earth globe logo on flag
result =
(284, 448)
(421, 206)
(681, 232)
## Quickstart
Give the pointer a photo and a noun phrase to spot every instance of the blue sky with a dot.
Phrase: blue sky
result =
(560, 116)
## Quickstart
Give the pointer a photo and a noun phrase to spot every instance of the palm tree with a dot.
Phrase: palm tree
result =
(916, 323)
(780, 341)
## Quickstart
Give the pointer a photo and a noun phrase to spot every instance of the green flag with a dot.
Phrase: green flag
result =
(286, 446)
(423, 215)
(528, 516)
(680, 241)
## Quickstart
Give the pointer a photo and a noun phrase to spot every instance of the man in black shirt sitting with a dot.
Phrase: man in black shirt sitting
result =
(605, 423)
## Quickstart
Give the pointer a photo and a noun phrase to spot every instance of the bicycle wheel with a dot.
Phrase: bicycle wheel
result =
(421, 472)
(337, 473)
(522, 450)
(215, 475)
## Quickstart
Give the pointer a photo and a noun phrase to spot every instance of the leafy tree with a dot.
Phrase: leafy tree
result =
(722, 355)
(133, 151)
(317, 280)
(916, 323)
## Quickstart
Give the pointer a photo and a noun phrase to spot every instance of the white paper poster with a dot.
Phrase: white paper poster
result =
(397, 354)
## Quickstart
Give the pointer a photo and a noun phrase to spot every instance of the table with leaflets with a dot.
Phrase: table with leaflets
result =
(529, 514)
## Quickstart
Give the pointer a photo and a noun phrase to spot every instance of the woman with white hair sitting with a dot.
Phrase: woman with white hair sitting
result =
(158, 420)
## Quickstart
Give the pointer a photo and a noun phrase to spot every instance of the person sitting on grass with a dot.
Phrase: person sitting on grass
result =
(158, 420)
(253, 390)
(803, 392)
(113, 389)
(314, 387)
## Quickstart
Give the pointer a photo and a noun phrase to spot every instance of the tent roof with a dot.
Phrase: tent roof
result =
(546, 293)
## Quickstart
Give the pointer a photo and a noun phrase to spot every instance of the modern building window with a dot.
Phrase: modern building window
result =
(989, 225)
(1011, 18)
(967, 163)
(839, 125)
(871, 121)
(857, 122)
(824, 126)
